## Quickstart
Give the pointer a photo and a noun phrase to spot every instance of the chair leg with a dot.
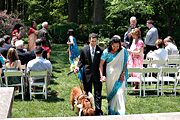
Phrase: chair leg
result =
(22, 92)
(140, 89)
(144, 89)
(30, 94)
(158, 88)
(45, 92)
(175, 88)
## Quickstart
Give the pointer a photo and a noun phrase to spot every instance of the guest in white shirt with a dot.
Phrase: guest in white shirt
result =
(170, 46)
(159, 54)
(39, 63)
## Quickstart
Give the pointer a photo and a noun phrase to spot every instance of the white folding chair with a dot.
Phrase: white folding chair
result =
(147, 62)
(8, 74)
(174, 56)
(173, 62)
(150, 75)
(169, 74)
(135, 79)
(158, 63)
(37, 79)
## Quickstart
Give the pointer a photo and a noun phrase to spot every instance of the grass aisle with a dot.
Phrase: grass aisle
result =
(59, 105)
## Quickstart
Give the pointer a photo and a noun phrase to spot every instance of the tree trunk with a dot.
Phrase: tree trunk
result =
(90, 10)
(14, 6)
(2, 5)
(98, 12)
(8, 6)
(73, 10)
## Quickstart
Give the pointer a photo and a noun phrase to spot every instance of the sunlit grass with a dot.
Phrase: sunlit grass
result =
(59, 105)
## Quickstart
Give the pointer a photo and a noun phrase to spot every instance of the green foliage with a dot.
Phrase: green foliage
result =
(7, 22)
(59, 31)
(52, 11)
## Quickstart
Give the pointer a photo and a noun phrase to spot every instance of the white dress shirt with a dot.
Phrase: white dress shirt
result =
(92, 50)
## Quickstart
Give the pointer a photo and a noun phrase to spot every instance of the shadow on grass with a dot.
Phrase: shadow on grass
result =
(104, 97)
(53, 82)
(53, 62)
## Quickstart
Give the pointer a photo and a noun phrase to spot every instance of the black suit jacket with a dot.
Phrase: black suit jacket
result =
(90, 68)
(24, 56)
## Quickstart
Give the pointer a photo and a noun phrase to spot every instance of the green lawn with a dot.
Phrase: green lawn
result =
(59, 105)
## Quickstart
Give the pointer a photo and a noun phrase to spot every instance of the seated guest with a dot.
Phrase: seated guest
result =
(46, 48)
(13, 63)
(39, 63)
(170, 46)
(0, 67)
(39, 43)
(7, 43)
(24, 56)
(159, 54)
(3, 50)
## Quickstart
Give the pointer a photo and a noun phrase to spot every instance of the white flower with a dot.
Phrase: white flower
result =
(97, 52)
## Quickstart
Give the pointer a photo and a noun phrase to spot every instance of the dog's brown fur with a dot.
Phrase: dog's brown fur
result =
(81, 98)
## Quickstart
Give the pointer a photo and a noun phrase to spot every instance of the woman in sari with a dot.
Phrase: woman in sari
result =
(116, 58)
(32, 36)
(73, 49)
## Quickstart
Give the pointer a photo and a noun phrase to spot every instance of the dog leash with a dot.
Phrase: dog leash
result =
(80, 83)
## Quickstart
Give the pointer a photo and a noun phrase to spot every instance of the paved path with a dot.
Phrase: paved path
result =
(6, 101)
(156, 116)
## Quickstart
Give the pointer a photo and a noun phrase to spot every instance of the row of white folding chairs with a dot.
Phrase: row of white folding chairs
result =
(165, 63)
(154, 75)
(30, 75)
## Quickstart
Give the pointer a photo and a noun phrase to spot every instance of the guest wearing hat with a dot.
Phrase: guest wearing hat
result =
(23, 54)
(73, 49)
(39, 63)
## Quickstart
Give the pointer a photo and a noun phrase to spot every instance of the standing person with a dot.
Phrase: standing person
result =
(44, 35)
(151, 37)
(17, 33)
(136, 53)
(73, 48)
(116, 74)
(127, 36)
(32, 36)
(89, 60)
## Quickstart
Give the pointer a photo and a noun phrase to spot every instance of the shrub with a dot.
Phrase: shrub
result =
(7, 22)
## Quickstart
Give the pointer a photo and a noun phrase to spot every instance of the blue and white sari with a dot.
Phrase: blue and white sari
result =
(73, 50)
(115, 87)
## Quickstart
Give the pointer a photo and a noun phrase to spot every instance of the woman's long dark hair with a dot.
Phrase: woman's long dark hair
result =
(32, 23)
(114, 40)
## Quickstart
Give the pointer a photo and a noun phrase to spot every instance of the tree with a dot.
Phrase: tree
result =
(2, 5)
(98, 12)
(73, 6)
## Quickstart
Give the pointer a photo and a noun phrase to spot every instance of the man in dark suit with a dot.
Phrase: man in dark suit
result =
(23, 54)
(127, 36)
(44, 34)
(89, 60)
